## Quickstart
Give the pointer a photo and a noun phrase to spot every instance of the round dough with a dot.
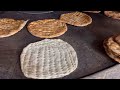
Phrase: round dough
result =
(49, 58)
(47, 28)
(10, 27)
(76, 19)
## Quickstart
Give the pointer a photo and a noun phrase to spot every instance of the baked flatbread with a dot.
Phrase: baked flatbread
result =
(47, 59)
(113, 14)
(10, 27)
(76, 19)
(112, 49)
(47, 28)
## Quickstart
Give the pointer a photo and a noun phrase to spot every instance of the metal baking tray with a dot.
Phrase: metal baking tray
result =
(87, 41)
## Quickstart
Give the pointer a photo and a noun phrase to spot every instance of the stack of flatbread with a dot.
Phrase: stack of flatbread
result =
(113, 14)
(112, 47)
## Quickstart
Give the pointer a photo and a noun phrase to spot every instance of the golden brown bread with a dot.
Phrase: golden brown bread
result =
(112, 47)
(47, 28)
(76, 19)
(113, 14)
(10, 26)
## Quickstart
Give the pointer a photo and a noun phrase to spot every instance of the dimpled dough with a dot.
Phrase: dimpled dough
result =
(49, 58)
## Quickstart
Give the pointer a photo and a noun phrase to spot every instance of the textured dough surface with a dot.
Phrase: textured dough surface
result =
(76, 19)
(47, 28)
(113, 14)
(49, 58)
(112, 48)
(10, 27)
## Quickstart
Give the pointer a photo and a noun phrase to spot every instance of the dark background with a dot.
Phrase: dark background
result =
(59, 5)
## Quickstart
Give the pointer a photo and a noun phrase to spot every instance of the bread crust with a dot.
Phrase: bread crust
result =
(47, 28)
(9, 27)
(112, 48)
(76, 19)
(113, 14)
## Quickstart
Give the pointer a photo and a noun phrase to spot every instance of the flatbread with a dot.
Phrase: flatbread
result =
(112, 45)
(76, 19)
(113, 14)
(47, 59)
(47, 28)
(112, 49)
(9, 27)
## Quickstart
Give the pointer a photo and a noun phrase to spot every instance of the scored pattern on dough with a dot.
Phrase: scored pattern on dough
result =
(9, 27)
(76, 19)
(49, 58)
(112, 48)
(47, 28)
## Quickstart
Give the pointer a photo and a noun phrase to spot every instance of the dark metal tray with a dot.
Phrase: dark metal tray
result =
(87, 41)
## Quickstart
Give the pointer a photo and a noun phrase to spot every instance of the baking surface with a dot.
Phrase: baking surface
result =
(87, 41)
